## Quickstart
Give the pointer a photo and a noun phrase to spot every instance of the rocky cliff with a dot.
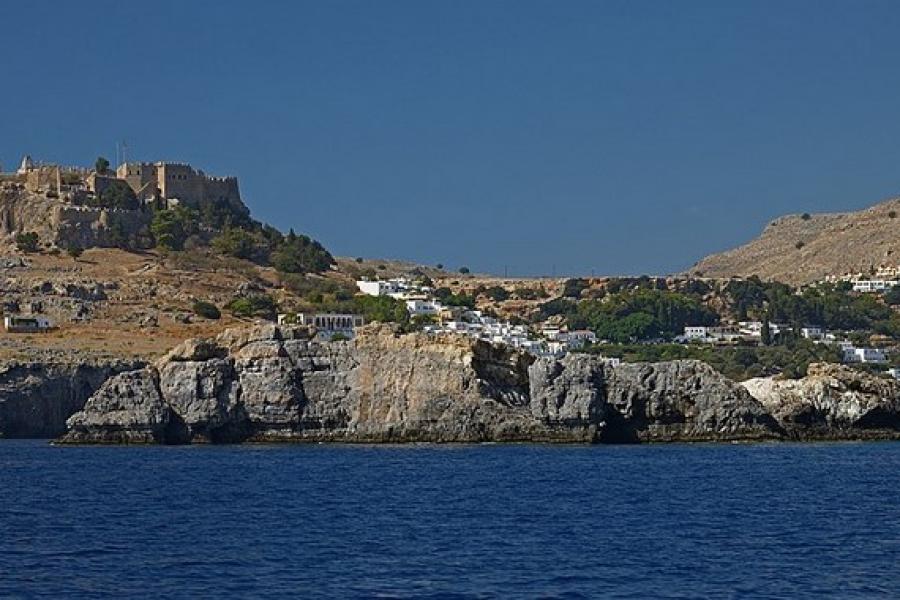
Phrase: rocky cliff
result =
(67, 225)
(37, 396)
(273, 383)
(832, 402)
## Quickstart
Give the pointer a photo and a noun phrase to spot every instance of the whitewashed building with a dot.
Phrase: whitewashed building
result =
(854, 355)
(26, 324)
(811, 332)
(377, 288)
(579, 338)
(429, 308)
(328, 325)
(867, 286)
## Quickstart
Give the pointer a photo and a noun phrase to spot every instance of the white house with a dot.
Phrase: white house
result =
(710, 334)
(27, 324)
(811, 332)
(696, 332)
(377, 288)
(328, 325)
(873, 285)
(424, 307)
(863, 355)
(754, 328)
(580, 338)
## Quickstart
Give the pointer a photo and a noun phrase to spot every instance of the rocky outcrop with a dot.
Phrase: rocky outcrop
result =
(832, 402)
(65, 224)
(270, 383)
(683, 401)
(37, 396)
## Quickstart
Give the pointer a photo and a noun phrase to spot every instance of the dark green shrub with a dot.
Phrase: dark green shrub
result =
(207, 310)
(27, 241)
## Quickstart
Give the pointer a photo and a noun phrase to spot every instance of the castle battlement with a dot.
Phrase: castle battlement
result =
(169, 180)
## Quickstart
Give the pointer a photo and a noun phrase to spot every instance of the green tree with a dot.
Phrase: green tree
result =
(116, 235)
(254, 305)
(464, 270)
(300, 254)
(74, 251)
(236, 242)
(765, 334)
(573, 288)
(27, 241)
(383, 309)
(207, 310)
(118, 194)
(171, 227)
(892, 296)
(101, 165)
(496, 293)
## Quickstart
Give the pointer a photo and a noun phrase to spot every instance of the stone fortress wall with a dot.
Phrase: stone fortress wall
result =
(179, 181)
(44, 199)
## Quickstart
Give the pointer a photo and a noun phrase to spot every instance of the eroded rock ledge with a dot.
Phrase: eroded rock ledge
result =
(832, 402)
(271, 383)
(39, 394)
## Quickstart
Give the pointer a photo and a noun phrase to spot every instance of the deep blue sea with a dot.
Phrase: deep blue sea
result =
(667, 521)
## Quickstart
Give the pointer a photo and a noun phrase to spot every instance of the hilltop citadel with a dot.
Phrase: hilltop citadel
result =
(89, 207)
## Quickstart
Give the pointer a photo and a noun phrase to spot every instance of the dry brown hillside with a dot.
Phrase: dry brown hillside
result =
(800, 249)
(115, 303)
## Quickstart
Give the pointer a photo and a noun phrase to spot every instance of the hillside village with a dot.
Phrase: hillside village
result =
(161, 249)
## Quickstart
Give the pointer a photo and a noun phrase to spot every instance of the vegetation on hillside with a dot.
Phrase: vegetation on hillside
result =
(831, 306)
(118, 195)
(790, 359)
(632, 315)
(28, 241)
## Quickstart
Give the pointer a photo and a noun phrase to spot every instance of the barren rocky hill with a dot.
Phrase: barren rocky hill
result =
(800, 249)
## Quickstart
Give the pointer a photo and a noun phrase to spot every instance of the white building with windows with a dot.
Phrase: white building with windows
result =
(812, 332)
(867, 286)
(429, 308)
(328, 326)
(854, 355)
(26, 323)
(709, 334)
(578, 338)
(377, 288)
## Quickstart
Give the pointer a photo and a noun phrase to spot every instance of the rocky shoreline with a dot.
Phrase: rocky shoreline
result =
(39, 394)
(278, 384)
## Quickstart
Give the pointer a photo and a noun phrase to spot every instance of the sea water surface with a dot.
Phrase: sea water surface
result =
(667, 521)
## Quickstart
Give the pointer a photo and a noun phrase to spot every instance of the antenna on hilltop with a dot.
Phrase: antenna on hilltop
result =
(121, 147)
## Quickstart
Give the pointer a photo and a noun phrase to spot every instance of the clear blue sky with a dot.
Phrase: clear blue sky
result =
(619, 137)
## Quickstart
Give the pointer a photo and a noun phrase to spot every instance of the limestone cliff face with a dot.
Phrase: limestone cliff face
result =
(277, 384)
(66, 225)
(832, 402)
(36, 397)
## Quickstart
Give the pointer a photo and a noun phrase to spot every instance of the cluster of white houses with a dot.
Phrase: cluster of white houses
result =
(474, 323)
(420, 301)
(882, 280)
(744, 331)
(751, 332)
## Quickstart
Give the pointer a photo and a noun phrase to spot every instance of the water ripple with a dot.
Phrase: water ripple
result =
(732, 521)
